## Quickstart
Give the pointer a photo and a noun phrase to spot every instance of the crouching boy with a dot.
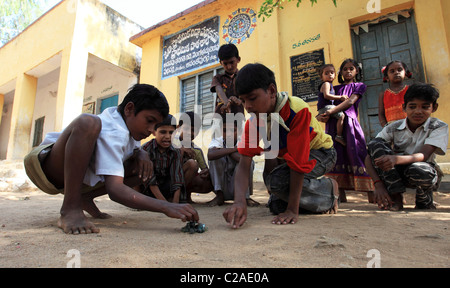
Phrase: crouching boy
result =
(86, 160)
(403, 153)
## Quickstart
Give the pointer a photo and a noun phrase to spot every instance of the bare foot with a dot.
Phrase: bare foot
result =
(252, 203)
(217, 201)
(75, 222)
(334, 209)
(90, 207)
(342, 195)
(397, 200)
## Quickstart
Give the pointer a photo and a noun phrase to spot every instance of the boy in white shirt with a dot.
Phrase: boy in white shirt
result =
(403, 154)
(98, 155)
(223, 158)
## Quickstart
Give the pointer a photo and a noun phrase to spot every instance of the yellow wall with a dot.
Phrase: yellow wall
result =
(272, 42)
(72, 30)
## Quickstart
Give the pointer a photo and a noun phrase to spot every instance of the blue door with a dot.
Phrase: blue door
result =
(385, 42)
(109, 102)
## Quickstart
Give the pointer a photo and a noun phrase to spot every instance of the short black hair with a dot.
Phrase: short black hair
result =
(194, 119)
(169, 120)
(228, 51)
(422, 91)
(252, 77)
(145, 97)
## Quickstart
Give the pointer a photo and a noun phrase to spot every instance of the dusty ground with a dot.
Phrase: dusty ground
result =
(29, 236)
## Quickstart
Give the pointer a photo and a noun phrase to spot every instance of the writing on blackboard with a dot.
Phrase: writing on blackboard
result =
(305, 78)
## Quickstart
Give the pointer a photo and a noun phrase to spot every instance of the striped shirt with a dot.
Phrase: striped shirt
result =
(167, 165)
(300, 134)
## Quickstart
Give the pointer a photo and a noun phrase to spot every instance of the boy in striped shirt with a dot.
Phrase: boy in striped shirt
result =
(167, 182)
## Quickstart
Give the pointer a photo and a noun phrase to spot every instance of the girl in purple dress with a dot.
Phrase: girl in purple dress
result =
(349, 171)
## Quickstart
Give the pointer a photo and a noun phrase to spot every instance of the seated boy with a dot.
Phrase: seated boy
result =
(403, 153)
(305, 152)
(193, 158)
(86, 161)
(223, 158)
(167, 183)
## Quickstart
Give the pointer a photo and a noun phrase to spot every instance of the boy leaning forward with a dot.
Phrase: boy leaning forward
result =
(305, 152)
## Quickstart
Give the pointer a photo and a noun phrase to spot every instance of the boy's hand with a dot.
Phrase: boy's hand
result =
(185, 212)
(204, 173)
(144, 165)
(382, 197)
(188, 151)
(233, 100)
(236, 215)
(386, 162)
(323, 118)
(288, 217)
(225, 108)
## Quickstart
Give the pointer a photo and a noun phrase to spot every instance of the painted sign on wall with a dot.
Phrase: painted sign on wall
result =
(239, 26)
(305, 77)
(191, 49)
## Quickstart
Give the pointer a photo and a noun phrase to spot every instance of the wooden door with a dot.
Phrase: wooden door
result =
(385, 42)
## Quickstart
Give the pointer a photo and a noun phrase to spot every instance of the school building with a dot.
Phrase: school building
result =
(75, 58)
(179, 55)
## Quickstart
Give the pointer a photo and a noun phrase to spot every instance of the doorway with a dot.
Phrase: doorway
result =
(105, 103)
(385, 41)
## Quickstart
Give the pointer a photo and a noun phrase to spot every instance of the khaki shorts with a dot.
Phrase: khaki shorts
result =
(33, 168)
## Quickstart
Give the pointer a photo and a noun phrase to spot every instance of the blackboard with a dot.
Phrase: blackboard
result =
(305, 78)
(191, 49)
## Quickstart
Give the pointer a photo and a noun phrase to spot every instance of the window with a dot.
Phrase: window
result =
(38, 131)
(195, 90)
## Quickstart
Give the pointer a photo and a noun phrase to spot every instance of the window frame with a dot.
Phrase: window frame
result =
(216, 71)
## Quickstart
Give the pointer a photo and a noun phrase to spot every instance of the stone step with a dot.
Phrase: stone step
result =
(13, 177)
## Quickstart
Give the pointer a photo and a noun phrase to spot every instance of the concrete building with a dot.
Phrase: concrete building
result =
(75, 58)
(179, 54)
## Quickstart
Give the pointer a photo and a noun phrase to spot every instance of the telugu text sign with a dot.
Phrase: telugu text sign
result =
(191, 49)
(305, 77)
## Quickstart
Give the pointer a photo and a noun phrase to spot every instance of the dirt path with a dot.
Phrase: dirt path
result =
(29, 237)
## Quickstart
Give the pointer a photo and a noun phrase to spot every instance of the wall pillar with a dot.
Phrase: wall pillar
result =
(72, 79)
(2, 102)
(22, 117)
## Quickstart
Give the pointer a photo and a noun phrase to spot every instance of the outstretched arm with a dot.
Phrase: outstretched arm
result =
(217, 153)
(344, 105)
(122, 194)
(236, 215)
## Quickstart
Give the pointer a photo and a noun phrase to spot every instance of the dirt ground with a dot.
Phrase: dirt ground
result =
(360, 235)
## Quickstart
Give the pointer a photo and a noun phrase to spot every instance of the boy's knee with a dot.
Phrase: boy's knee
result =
(88, 124)
(421, 173)
(191, 164)
(378, 147)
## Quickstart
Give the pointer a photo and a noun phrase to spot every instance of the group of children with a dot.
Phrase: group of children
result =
(98, 155)
(402, 155)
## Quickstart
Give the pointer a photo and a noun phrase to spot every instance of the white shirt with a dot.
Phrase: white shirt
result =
(433, 132)
(114, 146)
